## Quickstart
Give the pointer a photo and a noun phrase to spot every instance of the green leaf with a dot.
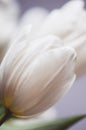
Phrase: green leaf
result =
(60, 124)
(2, 110)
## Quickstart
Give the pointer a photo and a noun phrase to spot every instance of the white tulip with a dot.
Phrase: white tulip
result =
(62, 21)
(33, 17)
(8, 23)
(33, 78)
(69, 23)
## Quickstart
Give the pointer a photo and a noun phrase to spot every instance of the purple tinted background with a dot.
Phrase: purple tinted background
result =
(75, 101)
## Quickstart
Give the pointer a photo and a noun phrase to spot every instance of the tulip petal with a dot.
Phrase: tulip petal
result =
(36, 76)
(35, 17)
(59, 22)
(50, 77)
(22, 53)
(77, 40)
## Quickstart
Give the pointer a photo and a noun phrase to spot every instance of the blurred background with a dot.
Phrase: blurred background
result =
(74, 102)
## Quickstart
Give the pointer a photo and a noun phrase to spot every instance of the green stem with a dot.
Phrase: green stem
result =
(5, 117)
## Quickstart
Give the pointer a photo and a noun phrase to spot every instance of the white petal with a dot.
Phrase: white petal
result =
(62, 21)
(49, 77)
(35, 18)
(36, 76)
(75, 5)
(8, 23)
(22, 54)
(77, 40)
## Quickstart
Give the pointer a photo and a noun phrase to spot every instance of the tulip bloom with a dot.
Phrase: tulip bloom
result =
(69, 23)
(34, 77)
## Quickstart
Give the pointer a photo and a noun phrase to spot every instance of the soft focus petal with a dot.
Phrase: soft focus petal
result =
(8, 23)
(69, 23)
(59, 83)
(77, 40)
(20, 50)
(61, 22)
(33, 48)
(34, 17)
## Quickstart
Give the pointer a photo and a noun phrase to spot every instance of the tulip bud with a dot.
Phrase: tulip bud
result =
(69, 23)
(34, 77)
